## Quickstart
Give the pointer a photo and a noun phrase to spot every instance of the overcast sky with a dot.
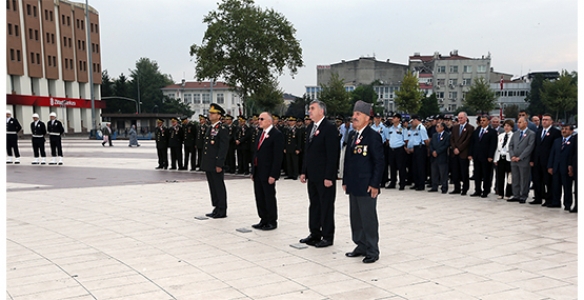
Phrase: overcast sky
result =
(521, 35)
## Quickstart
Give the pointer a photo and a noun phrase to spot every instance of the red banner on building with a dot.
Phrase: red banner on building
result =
(51, 101)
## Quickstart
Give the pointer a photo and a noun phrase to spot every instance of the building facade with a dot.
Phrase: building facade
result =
(362, 71)
(47, 62)
(198, 95)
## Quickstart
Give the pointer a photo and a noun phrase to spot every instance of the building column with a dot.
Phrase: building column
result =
(24, 115)
(74, 117)
(44, 112)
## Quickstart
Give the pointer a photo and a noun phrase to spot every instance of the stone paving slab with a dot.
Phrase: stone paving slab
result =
(106, 225)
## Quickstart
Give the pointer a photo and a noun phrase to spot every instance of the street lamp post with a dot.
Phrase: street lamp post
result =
(124, 98)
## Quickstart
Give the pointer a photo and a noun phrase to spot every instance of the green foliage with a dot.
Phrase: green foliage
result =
(561, 95)
(150, 80)
(536, 106)
(367, 94)
(299, 106)
(511, 111)
(247, 46)
(177, 107)
(336, 98)
(267, 97)
(468, 110)
(409, 97)
(480, 97)
(119, 87)
(429, 106)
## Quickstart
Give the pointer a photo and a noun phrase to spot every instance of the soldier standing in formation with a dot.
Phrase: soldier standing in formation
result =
(175, 137)
(200, 138)
(242, 142)
(55, 129)
(12, 129)
(189, 137)
(38, 129)
(230, 164)
(161, 144)
(293, 141)
(213, 161)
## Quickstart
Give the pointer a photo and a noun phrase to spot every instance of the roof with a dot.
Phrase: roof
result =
(425, 86)
(197, 85)
(428, 58)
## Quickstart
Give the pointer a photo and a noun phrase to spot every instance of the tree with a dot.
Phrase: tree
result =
(511, 111)
(120, 87)
(298, 106)
(561, 95)
(429, 106)
(267, 97)
(334, 95)
(409, 97)
(536, 106)
(146, 84)
(480, 97)
(366, 93)
(468, 110)
(176, 106)
(247, 46)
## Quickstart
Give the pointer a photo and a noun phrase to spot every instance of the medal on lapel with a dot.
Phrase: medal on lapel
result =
(365, 150)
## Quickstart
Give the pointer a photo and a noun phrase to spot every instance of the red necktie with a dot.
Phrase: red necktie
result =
(261, 139)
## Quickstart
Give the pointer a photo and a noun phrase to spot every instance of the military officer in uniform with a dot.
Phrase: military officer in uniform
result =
(293, 141)
(38, 129)
(230, 163)
(252, 138)
(199, 141)
(175, 138)
(213, 161)
(55, 129)
(161, 136)
(12, 129)
(189, 137)
(242, 142)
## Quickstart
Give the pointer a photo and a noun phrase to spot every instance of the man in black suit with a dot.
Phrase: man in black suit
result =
(231, 152)
(189, 139)
(38, 130)
(319, 170)
(242, 142)
(439, 145)
(213, 160)
(481, 151)
(161, 137)
(266, 162)
(292, 143)
(460, 137)
(558, 167)
(12, 129)
(542, 180)
(362, 173)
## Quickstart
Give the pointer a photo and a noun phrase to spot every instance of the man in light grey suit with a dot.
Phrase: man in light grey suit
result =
(520, 147)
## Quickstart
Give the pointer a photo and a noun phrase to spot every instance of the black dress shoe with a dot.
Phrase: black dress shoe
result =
(219, 216)
(413, 187)
(173, 168)
(370, 259)
(535, 202)
(421, 189)
(554, 205)
(545, 204)
(444, 192)
(323, 243)
(522, 201)
(182, 169)
(475, 195)
(513, 199)
(484, 195)
(310, 240)
(158, 168)
(258, 225)
(574, 210)
(354, 254)
(269, 226)
(454, 192)
(463, 193)
(210, 215)
(402, 188)
(432, 191)
(391, 186)
(566, 208)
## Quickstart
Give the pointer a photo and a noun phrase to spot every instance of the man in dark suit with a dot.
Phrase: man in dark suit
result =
(292, 143)
(12, 129)
(189, 139)
(161, 137)
(558, 167)
(520, 149)
(38, 130)
(482, 151)
(242, 142)
(459, 142)
(55, 130)
(213, 161)
(319, 171)
(362, 173)
(439, 145)
(175, 140)
(200, 142)
(542, 180)
(231, 152)
(266, 162)
(573, 172)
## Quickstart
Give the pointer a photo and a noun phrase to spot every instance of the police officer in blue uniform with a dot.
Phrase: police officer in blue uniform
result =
(397, 136)
(419, 142)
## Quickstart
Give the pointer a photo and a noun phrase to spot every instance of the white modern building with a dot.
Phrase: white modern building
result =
(199, 95)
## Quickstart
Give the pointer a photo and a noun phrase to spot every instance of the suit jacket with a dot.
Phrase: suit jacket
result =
(461, 141)
(107, 131)
(161, 137)
(215, 147)
(500, 147)
(522, 148)
(560, 158)
(543, 147)
(39, 129)
(321, 154)
(269, 155)
(440, 145)
(364, 162)
(483, 148)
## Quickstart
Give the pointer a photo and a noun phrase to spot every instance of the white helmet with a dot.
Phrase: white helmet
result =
(35, 116)
(53, 114)
(9, 112)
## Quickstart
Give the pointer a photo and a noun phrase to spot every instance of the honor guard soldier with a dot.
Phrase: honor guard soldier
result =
(200, 135)
(242, 141)
(55, 129)
(38, 129)
(189, 137)
(161, 137)
(230, 163)
(12, 129)
(293, 142)
(214, 154)
(175, 138)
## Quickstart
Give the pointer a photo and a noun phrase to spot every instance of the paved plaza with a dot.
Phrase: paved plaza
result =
(106, 225)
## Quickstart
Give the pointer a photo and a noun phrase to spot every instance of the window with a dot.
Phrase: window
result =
(50, 62)
(9, 29)
(452, 81)
(94, 67)
(71, 63)
(32, 58)
(467, 69)
(452, 95)
(54, 61)
(522, 93)
(16, 30)
(63, 19)
(206, 98)
(11, 54)
(48, 37)
(188, 98)
(51, 16)
(440, 95)
(482, 69)
(28, 9)
(14, 6)
(66, 63)
(91, 27)
(46, 14)
(80, 66)
(453, 69)
(220, 99)
(77, 23)
(38, 58)
(52, 38)
(98, 68)
(92, 47)
(84, 66)
(34, 11)
(36, 35)
(83, 44)
(196, 98)
(79, 44)
(18, 55)
(82, 24)
(96, 28)
(96, 48)
(441, 69)
(7, 4)
(440, 82)
(30, 33)
(65, 41)
(466, 81)
(70, 44)
(68, 21)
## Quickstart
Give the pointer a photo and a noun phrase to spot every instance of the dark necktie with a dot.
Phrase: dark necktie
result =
(505, 140)
(564, 143)
(482, 132)
(460, 130)
(312, 132)
(543, 133)
(520, 135)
